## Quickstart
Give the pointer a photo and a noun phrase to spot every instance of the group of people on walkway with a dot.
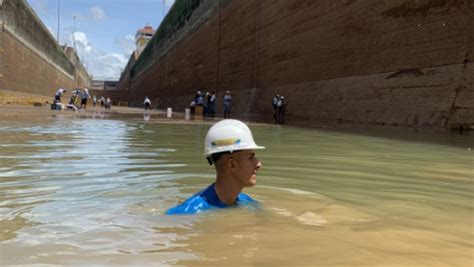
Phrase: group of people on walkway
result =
(207, 101)
(103, 102)
(82, 94)
(203, 103)
(79, 98)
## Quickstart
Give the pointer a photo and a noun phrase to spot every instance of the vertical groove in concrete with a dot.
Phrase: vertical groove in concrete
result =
(256, 46)
(218, 46)
(2, 50)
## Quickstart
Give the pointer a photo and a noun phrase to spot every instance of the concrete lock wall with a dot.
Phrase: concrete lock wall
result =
(406, 63)
(32, 61)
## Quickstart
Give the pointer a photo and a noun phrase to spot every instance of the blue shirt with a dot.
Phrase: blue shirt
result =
(207, 199)
(227, 99)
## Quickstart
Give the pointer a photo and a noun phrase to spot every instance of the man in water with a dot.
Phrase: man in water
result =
(230, 146)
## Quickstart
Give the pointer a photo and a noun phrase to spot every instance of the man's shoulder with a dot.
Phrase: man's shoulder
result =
(192, 205)
(245, 199)
(207, 199)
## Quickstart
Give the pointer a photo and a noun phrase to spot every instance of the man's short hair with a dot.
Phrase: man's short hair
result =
(216, 156)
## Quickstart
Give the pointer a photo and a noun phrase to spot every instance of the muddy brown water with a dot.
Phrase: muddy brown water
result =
(93, 191)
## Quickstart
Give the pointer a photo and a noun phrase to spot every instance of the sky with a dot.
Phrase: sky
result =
(104, 29)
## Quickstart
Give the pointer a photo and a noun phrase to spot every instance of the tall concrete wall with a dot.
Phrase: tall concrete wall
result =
(32, 61)
(396, 62)
(80, 73)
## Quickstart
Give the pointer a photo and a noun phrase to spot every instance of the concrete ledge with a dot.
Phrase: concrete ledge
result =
(12, 97)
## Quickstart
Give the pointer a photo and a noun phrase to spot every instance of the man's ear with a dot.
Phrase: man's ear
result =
(232, 164)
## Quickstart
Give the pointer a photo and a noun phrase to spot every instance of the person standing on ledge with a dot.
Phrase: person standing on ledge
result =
(227, 104)
(84, 96)
(212, 104)
(281, 109)
(59, 93)
(147, 103)
(275, 100)
(230, 146)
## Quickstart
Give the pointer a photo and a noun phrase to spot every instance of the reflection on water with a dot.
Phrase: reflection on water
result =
(94, 192)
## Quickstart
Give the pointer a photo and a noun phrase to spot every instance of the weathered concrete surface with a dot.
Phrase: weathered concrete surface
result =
(13, 97)
(31, 60)
(397, 62)
(418, 97)
(26, 71)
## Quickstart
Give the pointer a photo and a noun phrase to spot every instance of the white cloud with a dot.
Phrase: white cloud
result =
(114, 58)
(99, 63)
(127, 43)
(97, 13)
(82, 43)
(108, 65)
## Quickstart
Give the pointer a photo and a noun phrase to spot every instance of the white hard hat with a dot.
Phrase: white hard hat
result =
(228, 136)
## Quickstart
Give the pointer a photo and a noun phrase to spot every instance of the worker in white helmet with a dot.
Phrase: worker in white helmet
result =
(230, 146)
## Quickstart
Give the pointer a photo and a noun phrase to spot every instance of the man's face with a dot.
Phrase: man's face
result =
(246, 167)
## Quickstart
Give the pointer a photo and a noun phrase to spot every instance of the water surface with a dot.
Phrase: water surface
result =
(93, 191)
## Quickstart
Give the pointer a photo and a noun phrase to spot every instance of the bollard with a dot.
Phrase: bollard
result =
(187, 113)
(169, 112)
(198, 111)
